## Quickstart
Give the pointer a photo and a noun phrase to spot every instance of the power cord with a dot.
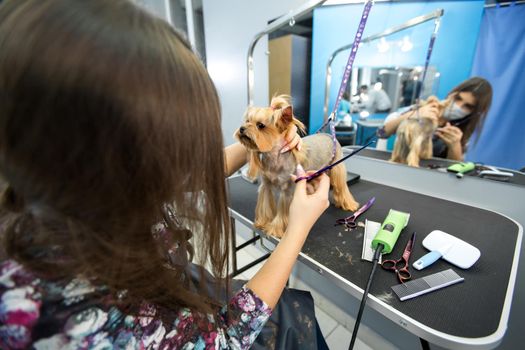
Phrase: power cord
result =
(375, 262)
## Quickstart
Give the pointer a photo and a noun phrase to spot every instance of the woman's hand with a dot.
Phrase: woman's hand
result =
(309, 201)
(450, 134)
(430, 111)
(292, 140)
(305, 209)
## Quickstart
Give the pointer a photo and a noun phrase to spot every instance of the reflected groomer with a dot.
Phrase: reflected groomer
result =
(467, 107)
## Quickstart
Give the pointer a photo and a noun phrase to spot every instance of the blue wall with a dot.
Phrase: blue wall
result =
(335, 26)
(500, 58)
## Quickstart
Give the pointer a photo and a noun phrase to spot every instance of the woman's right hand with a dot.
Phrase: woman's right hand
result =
(309, 201)
(306, 207)
(430, 111)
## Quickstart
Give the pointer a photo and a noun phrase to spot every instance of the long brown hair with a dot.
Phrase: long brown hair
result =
(105, 115)
(482, 91)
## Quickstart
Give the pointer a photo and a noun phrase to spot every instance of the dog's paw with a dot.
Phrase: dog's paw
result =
(260, 225)
(274, 231)
(349, 205)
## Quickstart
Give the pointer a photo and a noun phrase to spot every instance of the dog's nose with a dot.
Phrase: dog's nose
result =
(241, 130)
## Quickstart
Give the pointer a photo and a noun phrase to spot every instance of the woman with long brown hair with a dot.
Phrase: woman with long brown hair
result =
(467, 107)
(111, 150)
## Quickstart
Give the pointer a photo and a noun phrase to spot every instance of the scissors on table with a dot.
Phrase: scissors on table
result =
(400, 266)
(349, 222)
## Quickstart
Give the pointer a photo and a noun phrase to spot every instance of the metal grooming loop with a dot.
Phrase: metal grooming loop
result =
(285, 19)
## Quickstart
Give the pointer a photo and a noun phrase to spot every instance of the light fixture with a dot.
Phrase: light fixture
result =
(405, 44)
(383, 45)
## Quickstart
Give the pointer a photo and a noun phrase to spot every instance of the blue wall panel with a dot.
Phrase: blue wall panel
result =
(500, 58)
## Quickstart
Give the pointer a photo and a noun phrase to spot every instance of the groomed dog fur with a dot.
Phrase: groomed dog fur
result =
(262, 132)
(414, 138)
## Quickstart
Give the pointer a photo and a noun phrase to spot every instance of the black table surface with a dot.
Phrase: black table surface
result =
(471, 309)
(518, 178)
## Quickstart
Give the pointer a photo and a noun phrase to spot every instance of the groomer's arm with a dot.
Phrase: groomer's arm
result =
(391, 125)
(235, 157)
(455, 152)
(269, 282)
(430, 110)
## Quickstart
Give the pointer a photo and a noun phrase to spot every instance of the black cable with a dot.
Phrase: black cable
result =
(375, 261)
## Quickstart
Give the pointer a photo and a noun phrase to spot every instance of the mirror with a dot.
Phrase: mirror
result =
(394, 60)
(386, 89)
(457, 55)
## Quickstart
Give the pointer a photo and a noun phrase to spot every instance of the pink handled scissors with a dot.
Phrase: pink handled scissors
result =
(349, 222)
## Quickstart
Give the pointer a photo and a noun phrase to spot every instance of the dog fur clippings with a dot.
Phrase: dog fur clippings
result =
(263, 132)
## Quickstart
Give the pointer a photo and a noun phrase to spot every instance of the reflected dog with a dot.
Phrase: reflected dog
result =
(262, 133)
(414, 138)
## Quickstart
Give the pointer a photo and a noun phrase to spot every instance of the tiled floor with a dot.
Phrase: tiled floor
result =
(337, 334)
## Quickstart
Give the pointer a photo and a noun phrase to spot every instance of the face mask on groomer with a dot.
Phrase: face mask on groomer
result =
(454, 112)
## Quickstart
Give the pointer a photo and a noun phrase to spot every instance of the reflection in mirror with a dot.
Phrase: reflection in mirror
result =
(385, 89)
(390, 45)
(465, 26)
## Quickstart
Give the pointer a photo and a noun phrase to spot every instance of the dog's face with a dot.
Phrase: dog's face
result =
(263, 128)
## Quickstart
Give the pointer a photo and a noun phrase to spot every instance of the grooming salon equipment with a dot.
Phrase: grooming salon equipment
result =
(349, 222)
(371, 229)
(461, 169)
(383, 242)
(390, 230)
(493, 173)
(400, 266)
(426, 284)
(431, 257)
(452, 249)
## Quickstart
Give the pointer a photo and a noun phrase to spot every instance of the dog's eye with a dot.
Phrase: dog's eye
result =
(260, 126)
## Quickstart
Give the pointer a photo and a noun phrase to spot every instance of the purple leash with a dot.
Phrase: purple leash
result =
(346, 75)
(326, 168)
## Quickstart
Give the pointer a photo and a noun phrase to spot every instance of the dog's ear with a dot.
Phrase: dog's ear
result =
(287, 114)
(287, 118)
(255, 164)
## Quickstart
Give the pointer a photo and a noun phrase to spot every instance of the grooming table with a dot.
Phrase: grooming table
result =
(439, 164)
(472, 314)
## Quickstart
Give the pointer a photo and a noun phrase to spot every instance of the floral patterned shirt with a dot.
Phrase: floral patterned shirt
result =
(39, 314)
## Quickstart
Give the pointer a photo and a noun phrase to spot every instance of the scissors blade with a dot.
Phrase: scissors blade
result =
(364, 207)
(319, 172)
(408, 248)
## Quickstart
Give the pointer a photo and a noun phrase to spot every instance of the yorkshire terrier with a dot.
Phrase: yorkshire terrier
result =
(263, 132)
(414, 138)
